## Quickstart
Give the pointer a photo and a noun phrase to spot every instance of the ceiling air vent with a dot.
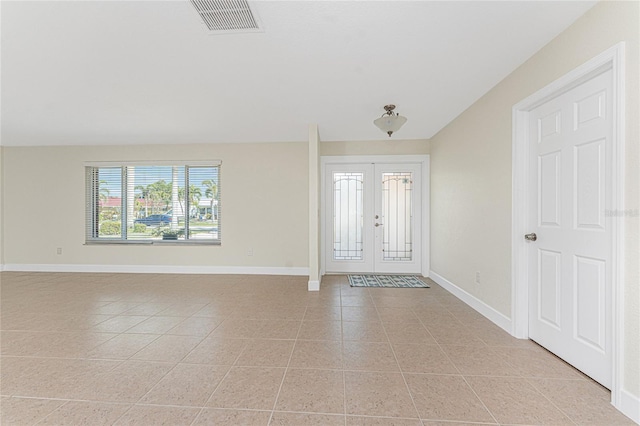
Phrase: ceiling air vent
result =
(227, 16)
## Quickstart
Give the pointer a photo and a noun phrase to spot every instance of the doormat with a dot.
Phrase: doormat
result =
(386, 281)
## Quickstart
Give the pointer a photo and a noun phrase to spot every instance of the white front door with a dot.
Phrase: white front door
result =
(570, 270)
(373, 218)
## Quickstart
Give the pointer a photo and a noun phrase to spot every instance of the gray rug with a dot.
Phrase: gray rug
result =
(386, 281)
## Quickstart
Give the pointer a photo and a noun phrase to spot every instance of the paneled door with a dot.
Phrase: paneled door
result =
(570, 271)
(373, 218)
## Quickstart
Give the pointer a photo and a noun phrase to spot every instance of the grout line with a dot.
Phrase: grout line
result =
(286, 370)
(550, 401)
(404, 379)
(342, 364)
(467, 383)
(232, 297)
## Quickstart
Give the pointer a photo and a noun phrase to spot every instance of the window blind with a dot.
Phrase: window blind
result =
(148, 203)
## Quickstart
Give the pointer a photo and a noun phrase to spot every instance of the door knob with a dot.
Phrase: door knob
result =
(530, 237)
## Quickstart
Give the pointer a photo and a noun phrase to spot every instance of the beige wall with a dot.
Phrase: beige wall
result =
(471, 171)
(389, 146)
(1, 209)
(264, 190)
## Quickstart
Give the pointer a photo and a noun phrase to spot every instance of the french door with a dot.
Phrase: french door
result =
(373, 218)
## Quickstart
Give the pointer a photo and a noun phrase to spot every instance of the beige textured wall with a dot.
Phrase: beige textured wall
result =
(264, 190)
(471, 171)
(389, 146)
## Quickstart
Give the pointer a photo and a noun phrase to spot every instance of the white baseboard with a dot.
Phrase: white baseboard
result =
(314, 286)
(158, 269)
(629, 405)
(487, 311)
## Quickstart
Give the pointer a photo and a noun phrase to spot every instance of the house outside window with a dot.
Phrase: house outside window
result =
(156, 202)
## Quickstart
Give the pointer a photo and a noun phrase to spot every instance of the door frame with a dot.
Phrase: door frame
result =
(423, 160)
(611, 59)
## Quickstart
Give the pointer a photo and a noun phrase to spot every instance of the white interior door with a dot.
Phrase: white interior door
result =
(570, 271)
(373, 218)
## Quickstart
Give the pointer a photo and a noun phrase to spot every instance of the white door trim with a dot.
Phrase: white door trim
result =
(612, 58)
(424, 160)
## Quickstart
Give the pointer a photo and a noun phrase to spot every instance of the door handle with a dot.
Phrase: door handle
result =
(531, 237)
(378, 224)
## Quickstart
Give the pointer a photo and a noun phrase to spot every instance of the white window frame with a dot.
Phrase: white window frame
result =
(92, 197)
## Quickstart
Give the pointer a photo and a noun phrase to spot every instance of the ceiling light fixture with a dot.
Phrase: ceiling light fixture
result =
(390, 121)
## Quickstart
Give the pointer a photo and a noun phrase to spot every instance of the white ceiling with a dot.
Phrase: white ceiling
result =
(134, 72)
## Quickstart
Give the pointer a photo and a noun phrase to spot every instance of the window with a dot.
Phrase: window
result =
(149, 203)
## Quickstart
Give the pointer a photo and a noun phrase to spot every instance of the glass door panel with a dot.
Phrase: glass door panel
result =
(348, 215)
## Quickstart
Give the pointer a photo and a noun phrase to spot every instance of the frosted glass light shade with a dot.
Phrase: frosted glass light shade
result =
(390, 123)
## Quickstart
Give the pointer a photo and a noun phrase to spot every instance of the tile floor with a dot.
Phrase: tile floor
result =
(131, 349)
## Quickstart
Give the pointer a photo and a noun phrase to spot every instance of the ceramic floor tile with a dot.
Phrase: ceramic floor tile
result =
(182, 309)
(115, 308)
(420, 358)
(443, 423)
(53, 344)
(492, 335)
(377, 394)
(52, 377)
(248, 388)
(128, 382)
(357, 300)
(321, 299)
(238, 329)
(584, 401)
(305, 419)
(215, 416)
(397, 315)
(26, 411)
(122, 346)
(445, 334)
(186, 384)
(85, 413)
(71, 337)
(195, 326)
(282, 313)
(318, 391)
(369, 356)
(478, 361)
(19, 343)
(119, 323)
(168, 348)
(149, 308)
(323, 314)
(382, 421)
(154, 415)
(537, 362)
(514, 400)
(279, 329)
(393, 302)
(360, 313)
(266, 353)
(408, 333)
(364, 331)
(317, 354)
(156, 325)
(216, 310)
(216, 350)
(320, 330)
(440, 397)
